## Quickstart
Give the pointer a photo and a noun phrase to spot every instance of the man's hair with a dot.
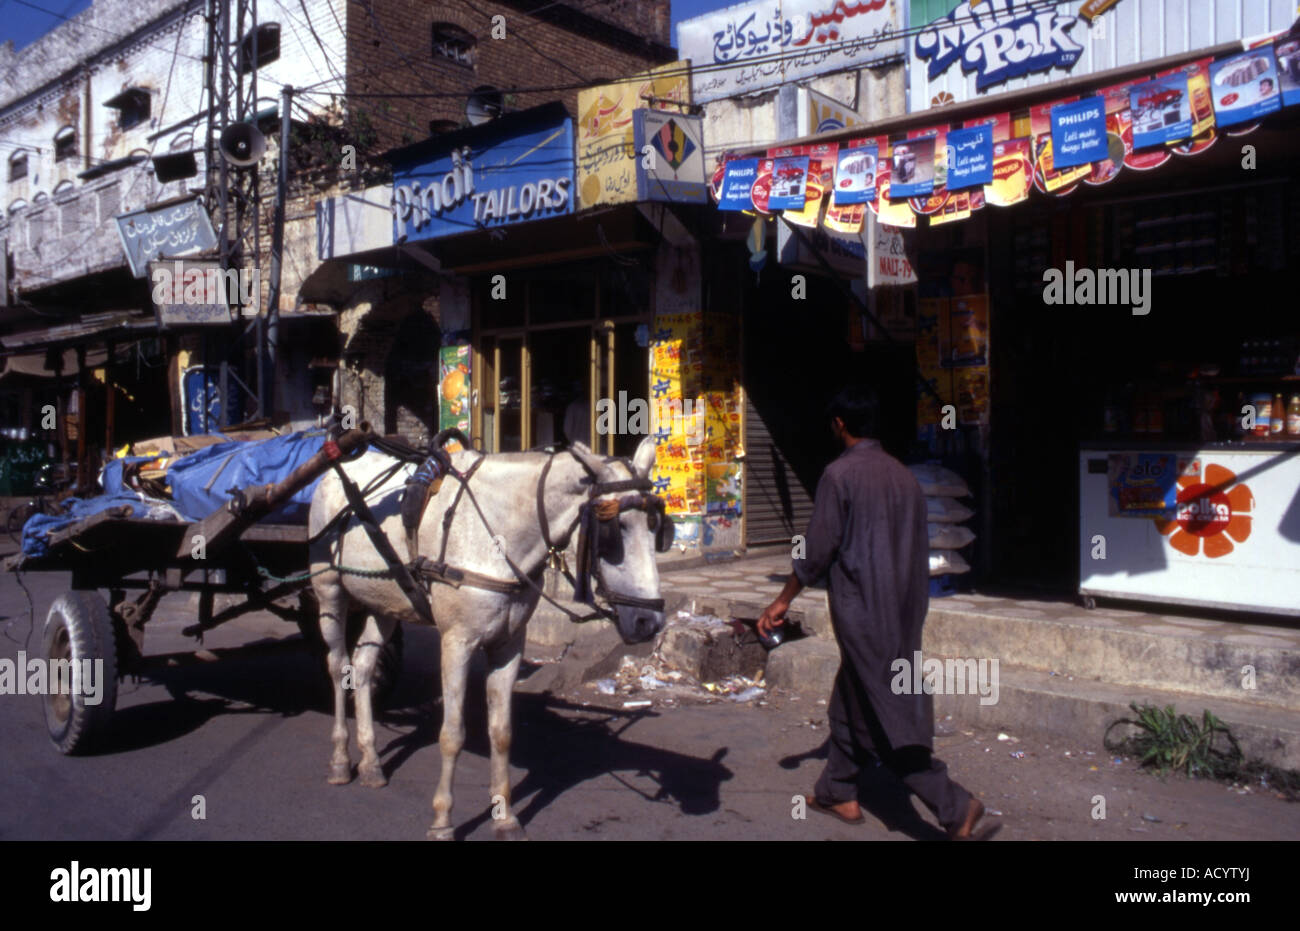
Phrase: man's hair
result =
(857, 407)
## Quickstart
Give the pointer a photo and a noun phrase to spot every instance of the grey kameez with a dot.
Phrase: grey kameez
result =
(868, 537)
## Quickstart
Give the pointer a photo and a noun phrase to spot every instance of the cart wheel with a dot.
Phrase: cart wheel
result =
(387, 671)
(1088, 602)
(78, 628)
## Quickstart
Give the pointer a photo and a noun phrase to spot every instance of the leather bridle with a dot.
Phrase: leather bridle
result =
(597, 525)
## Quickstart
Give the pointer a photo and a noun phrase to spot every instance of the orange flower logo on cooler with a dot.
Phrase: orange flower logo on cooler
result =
(1212, 513)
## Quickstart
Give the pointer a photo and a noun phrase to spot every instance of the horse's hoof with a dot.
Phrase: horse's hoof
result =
(340, 774)
(372, 777)
(441, 834)
(510, 830)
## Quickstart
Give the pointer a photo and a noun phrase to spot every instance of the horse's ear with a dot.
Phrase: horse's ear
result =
(644, 459)
(593, 462)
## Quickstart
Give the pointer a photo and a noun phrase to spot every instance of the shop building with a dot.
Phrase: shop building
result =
(1101, 428)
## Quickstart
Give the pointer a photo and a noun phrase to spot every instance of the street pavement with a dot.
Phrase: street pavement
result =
(249, 733)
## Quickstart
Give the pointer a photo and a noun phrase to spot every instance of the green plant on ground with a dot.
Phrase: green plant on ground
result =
(1168, 741)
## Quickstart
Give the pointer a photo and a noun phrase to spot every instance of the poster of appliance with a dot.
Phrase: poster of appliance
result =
(1245, 87)
(737, 183)
(970, 157)
(453, 388)
(1142, 485)
(855, 175)
(1119, 120)
(888, 211)
(940, 137)
(1162, 111)
(789, 180)
(819, 181)
(1287, 51)
(912, 169)
(1079, 132)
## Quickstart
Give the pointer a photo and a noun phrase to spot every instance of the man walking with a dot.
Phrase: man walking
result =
(868, 534)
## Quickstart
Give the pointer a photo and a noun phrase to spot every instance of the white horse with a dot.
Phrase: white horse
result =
(505, 486)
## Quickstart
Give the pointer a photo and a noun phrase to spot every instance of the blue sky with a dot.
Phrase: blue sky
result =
(23, 24)
(685, 9)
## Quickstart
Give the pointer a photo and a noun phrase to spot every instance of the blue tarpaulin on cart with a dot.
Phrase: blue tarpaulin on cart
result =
(200, 484)
(201, 481)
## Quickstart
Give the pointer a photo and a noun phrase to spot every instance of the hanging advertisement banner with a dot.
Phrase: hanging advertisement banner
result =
(1013, 172)
(1162, 111)
(789, 183)
(1079, 132)
(751, 46)
(1048, 177)
(855, 175)
(1245, 87)
(970, 157)
(1287, 53)
(737, 184)
(912, 168)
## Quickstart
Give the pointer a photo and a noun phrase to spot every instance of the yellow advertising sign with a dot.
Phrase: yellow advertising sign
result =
(606, 152)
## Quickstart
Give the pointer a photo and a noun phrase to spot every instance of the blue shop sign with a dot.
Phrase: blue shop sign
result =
(513, 170)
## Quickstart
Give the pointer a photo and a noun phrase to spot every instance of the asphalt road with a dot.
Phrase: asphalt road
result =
(250, 734)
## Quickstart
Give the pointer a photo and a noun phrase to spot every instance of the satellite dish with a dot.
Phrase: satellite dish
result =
(484, 105)
(242, 144)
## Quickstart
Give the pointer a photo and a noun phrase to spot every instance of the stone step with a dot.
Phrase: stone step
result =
(1033, 701)
(1131, 649)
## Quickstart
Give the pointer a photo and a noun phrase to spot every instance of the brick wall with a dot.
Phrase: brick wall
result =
(390, 50)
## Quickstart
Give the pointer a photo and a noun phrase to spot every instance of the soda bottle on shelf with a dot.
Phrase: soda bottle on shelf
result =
(1278, 424)
(1293, 417)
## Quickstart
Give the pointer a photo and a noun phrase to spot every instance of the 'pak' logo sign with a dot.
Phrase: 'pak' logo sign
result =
(1000, 40)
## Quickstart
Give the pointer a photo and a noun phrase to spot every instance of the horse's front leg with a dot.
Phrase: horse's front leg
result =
(455, 671)
(503, 669)
(333, 630)
(365, 658)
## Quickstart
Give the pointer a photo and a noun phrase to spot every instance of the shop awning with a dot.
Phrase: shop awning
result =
(89, 329)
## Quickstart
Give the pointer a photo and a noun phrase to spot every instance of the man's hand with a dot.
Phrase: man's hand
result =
(773, 616)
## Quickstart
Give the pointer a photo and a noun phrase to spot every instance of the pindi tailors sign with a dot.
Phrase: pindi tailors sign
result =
(513, 170)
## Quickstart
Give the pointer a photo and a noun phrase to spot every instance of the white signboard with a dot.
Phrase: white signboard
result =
(985, 47)
(762, 44)
(888, 262)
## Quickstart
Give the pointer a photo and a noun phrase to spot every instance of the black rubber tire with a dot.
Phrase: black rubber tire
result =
(79, 627)
(388, 671)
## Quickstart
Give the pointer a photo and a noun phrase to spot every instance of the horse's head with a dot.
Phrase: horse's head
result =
(624, 525)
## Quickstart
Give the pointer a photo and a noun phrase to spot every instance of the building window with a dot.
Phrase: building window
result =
(18, 166)
(454, 44)
(132, 106)
(65, 144)
(267, 39)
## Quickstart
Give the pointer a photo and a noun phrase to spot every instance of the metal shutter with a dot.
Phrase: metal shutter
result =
(777, 506)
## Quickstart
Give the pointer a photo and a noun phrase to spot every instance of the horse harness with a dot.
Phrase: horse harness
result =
(597, 525)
